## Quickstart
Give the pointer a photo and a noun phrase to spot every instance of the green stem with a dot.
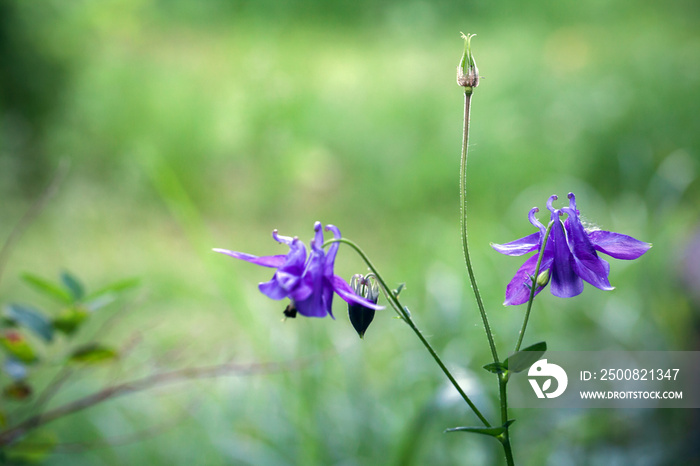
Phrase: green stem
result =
(463, 207)
(505, 438)
(533, 289)
(403, 313)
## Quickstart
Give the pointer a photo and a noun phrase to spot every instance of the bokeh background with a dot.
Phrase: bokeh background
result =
(190, 125)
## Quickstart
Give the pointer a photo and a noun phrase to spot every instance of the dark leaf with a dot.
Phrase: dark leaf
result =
(73, 285)
(518, 362)
(31, 319)
(496, 367)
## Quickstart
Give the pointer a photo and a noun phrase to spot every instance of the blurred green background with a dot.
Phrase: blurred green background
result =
(190, 125)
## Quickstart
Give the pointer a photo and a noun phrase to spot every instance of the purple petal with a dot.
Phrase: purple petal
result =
(332, 251)
(519, 246)
(518, 290)
(282, 239)
(341, 287)
(265, 261)
(272, 289)
(618, 245)
(587, 264)
(564, 281)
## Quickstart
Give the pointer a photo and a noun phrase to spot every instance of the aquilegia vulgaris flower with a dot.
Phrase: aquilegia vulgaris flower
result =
(309, 282)
(570, 255)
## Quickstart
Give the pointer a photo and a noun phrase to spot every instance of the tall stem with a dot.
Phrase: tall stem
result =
(406, 316)
(463, 207)
(533, 288)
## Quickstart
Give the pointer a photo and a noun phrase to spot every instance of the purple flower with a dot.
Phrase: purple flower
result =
(570, 256)
(309, 282)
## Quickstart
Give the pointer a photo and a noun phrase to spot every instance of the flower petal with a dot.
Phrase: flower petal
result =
(587, 264)
(565, 283)
(265, 261)
(518, 290)
(520, 246)
(618, 245)
(341, 287)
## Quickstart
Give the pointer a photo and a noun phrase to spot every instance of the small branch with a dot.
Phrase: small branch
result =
(12, 434)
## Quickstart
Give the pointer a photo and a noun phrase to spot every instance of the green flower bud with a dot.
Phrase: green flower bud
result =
(467, 72)
(543, 278)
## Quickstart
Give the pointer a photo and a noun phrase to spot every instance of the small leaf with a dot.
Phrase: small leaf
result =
(518, 362)
(30, 318)
(399, 289)
(48, 288)
(93, 353)
(17, 345)
(496, 367)
(491, 431)
(73, 285)
(70, 319)
(18, 391)
(113, 288)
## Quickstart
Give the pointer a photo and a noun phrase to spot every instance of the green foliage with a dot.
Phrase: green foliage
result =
(526, 357)
(93, 353)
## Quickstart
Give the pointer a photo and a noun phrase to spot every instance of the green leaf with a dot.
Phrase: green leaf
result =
(491, 431)
(496, 367)
(518, 362)
(113, 288)
(73, 285)
(399, 289)
(30, 318)
(93, 353)
(70, 319)
(48, 288)
(17, 346)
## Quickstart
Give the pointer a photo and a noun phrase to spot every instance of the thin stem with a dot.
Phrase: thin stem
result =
(463, 207)
(403, 313)
(533, 289)
(505, 439)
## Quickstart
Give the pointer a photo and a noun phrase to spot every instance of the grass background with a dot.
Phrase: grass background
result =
(191, 125)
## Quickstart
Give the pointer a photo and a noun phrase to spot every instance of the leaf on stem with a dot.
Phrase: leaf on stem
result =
(518, 362)
(48, 288)
(490, 431)
(70, 319)
(93, 353)
(496, 367)
(31, 319)
(73, 285)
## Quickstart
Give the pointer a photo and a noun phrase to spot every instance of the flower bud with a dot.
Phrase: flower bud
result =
(467, 72)
(361, 316)
(543, 278)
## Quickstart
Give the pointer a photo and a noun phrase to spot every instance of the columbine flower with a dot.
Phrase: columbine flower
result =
(309, 282)
(570, 256)
(361, 316)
